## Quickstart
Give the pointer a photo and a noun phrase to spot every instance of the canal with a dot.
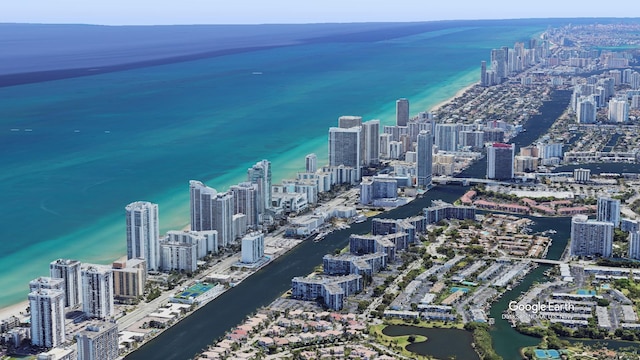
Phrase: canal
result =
(197, 331)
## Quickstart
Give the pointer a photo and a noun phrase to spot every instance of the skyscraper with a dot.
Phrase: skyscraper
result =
(618, 110)
(47, 317)
(311, 163)
(634, 245)
(371, 131)
(201, 205)
(500, 161)
(252, 247)
(402, 112)
(260, 174)
(344, 148)
(97, 292)
(46, 283)
(483, 74)
(425, 158)
(143, 236)
(586, 110)
(349, 121)
(591, 237)
(98, 342)
(245, 197)
(446, 137)
(211, 210)
(69, 271)
(609, 210)
(222, 207)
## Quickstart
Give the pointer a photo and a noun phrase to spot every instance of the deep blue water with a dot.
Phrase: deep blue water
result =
(75, 151)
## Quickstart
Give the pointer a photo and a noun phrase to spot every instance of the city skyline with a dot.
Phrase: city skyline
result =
(146, 12)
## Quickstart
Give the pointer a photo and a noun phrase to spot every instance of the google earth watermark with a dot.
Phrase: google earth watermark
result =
(537, 310)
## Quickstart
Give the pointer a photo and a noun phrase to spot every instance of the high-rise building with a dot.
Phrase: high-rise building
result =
(402, 112)
(499, 63)
(344, 148)
(143, 234)
(582, 175)
(252, 247)
(47, 317)
(245, 197)
(260, 174)
(349, 121)
(97, 292)
(69, 271)
(180, 256)
(222, 207)
(46, 283)
(206, 241)
(385, 139)
(591, 237)
(586, 110)
(483, 74)
(311, 163)
(371, 136)
(500, 159)
(609, 210)
(446, 137)
(618, 110)
(201, 205)
(424, 164)
(129, 279)
(634, 245)
(98, 342)
(211, 210)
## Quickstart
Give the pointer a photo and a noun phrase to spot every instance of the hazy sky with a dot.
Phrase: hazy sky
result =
(119, 12)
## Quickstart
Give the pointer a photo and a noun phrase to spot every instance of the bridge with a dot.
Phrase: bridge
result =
(444, 180)
(540, 261)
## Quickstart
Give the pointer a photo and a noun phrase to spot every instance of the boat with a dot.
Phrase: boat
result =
(360, 219)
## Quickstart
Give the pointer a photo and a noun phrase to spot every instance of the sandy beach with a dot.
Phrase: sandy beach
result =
(457, 95)
(13, 310)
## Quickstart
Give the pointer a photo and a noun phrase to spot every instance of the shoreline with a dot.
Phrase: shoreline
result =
(460, 92)
(14, 310)
(8, 309)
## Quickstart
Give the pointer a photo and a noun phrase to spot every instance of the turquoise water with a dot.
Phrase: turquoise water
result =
(76, 151)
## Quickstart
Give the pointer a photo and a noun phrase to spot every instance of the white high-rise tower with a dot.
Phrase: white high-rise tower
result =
(69, 271)
(97, 292)
(47, 317)
(143, 237)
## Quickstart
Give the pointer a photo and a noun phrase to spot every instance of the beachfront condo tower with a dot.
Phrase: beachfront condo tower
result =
(98, 342)
(402, 112)
(97, 291)
(344, 148)
(47, 317)
(69, 271)
(260, 174)
(371, 136)
(211, 210)
(143, 235)
(311, 163)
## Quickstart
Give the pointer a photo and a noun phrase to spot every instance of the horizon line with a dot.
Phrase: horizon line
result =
(326, 23)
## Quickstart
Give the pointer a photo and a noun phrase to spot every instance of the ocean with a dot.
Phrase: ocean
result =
(76, 150)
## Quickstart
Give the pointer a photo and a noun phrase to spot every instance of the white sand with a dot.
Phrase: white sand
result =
(14, 310)
(458, 94)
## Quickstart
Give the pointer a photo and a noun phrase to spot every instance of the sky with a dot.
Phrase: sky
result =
(168, 12)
